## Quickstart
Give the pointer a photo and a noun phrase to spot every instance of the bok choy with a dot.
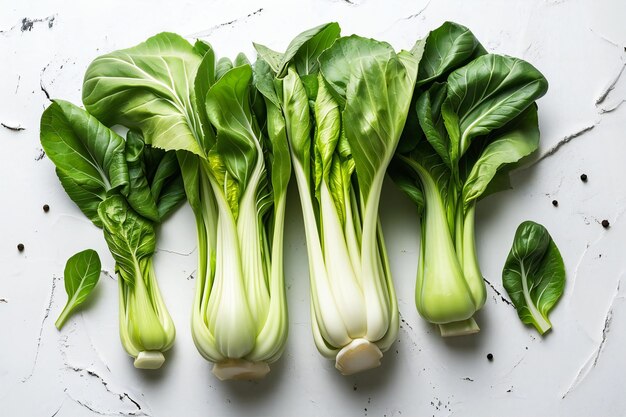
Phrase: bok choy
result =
(474, 118)
(123, 187)
(345, 101)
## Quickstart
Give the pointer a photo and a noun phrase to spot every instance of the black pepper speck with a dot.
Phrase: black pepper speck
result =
(490, 357)
(605, 224)
(555, 203)
(583, 177)
(20, 247)
(46, 208)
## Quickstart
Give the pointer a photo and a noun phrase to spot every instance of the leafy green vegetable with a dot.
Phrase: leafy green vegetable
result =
(534, 275)
(344, 103)
(231, 148)
(123, 187)
(475, 117)
(81, 274)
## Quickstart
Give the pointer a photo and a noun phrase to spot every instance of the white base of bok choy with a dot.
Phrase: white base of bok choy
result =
(149, 360)
(240, 369)
(360, 91)
(359, 355)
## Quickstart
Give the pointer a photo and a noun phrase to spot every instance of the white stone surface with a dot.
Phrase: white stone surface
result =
(577, 370)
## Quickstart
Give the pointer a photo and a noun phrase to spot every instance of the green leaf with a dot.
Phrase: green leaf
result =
(534, 275)
(297, 119)
(129, 236)
(304, 50)
(205, 78)
(271, 57)
(279, 164)
(428, 109)
(508, 145)
(263, 80)
(228, 109)
(150, 88)
(89, 157)
(485, 95)
(140, 196)
(81, 275)
(328, 129)
(223, 66)
(377, 85)
(448, 47)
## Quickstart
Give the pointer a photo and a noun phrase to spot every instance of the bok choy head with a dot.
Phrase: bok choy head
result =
(345, 101)
(233, 155)
(474, 117)
(123, 187)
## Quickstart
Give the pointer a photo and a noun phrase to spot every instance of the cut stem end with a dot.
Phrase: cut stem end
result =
(360, 355)
(459, 328)
(149, 359)
(240, 369)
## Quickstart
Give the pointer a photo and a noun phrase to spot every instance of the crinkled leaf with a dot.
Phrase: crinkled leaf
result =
(534, 275)
(428, 109)
(327, 131)
(130, 237)
(140, 196)
(81, 275)
(149, 87)
(89, 156)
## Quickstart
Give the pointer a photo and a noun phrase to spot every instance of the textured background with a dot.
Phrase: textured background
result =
(578, 369)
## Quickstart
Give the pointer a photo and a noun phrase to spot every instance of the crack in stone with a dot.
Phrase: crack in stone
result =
(467, 378)
(3, 301)
(105, 384)
(592, 361)
(13, 128)
(212, 29)
(564, 141)
(19, 77)
(41, 155)
(610, 87)
(41, 86)
(419, 13)
(498, 293)
(43, 322)
(176, 253)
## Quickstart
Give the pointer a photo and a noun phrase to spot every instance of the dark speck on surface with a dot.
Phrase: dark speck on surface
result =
(605, 224)
(27, 24)
(583, 177)
(555, 203)
(46, 208)
(20, 247)
(490, 357)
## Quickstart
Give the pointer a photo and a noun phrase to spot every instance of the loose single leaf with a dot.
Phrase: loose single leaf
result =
(534, 275)
(81, 275)
(303, 51)
(149, 87)
(89, 156)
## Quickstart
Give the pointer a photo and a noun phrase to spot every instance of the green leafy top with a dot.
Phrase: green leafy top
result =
(149, 87)
(534, 275)
(375, 86)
